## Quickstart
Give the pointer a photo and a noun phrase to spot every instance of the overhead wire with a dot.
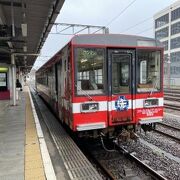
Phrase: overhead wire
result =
(137, 24)
(117, 16)
(144, 30)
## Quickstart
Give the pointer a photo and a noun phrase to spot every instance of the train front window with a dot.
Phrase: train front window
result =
(120, 73)
(90, 70)
(148, 71)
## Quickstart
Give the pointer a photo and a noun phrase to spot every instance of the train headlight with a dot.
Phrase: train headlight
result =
(89, 107)
(151, 102)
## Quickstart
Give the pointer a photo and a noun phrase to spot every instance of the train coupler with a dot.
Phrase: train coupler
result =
(126, 136)
(134, 136)
(148, 127)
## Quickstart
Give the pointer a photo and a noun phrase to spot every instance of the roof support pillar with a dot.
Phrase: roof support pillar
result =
(13, 80)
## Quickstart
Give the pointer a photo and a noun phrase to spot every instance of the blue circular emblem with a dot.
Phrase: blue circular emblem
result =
(121, 104)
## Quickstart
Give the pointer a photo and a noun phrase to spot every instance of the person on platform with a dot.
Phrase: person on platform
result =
(18, 84)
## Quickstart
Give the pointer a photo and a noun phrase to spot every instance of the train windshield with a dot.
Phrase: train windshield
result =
(148, 71)
(90, 70)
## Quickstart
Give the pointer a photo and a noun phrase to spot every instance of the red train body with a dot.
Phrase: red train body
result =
(105, 83)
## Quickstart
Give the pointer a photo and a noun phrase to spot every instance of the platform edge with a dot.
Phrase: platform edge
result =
(47, 163)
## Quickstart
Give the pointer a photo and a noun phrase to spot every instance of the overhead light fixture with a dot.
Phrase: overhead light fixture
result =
(24, 29)
(10, 44)
(25, 48)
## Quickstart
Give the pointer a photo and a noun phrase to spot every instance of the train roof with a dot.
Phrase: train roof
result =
(115, 40)
(109, 40)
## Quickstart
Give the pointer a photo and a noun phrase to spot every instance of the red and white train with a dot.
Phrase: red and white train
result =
(104, 83)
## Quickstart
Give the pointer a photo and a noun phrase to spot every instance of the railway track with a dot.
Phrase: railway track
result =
(166, 133)
(172, 93)
(171, 96)
(171, 90)
(169, 126)
(154, 174)
(173, 107)
(119, 154)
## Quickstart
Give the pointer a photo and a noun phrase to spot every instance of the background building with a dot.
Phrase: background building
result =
(167, 30)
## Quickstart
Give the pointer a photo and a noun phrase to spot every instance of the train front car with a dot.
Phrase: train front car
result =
(117, 84)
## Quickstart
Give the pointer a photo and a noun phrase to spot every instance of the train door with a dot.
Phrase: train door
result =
(59, 87)
(121, 79)
(56, 87)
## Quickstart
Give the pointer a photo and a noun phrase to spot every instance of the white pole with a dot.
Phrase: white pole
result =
(169, 72)
(169, 51)
(13, 80)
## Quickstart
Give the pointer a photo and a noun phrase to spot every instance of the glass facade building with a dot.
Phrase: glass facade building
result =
(167, 30)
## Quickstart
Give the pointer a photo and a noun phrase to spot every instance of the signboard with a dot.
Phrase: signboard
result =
(3, 80)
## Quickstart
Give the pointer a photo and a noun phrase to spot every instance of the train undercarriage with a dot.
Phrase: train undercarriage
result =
(121, 133)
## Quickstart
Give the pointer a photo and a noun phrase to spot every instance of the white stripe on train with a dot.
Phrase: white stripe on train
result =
(104, 105)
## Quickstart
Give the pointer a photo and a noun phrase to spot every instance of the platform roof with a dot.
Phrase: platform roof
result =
(37, 15)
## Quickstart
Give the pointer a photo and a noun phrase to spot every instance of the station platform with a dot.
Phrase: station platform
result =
(26, 147)
(20, 154)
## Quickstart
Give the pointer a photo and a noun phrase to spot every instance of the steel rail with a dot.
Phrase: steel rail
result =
(168, 135)
(172, 98)
(146, 167)
(173, 107)
(172, 94)
(103, 168)
(171, 90)
(168, 126)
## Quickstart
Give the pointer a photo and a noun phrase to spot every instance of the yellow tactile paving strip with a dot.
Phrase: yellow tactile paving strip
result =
(33, 161)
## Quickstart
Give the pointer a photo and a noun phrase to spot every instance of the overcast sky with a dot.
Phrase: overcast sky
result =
(103, 12)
